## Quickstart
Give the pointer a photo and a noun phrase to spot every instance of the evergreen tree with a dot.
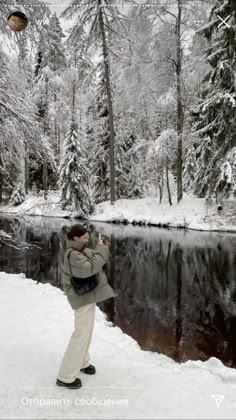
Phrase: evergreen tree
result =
(215, 119)
(49, 74)
(18, 129)
(190, 167)
(226, 183)
(101, 148)
(122, 167)
(97, 133)
(54, 53)
(130, 182)
(74, 175)
(99, 18)
(23, 56)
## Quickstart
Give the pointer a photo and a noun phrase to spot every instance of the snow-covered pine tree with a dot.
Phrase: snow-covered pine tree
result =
(129, 170)
(128, 126)
(190, 167)
(215, 118)
(78, 57)
(227, 180)
(99, 137)
(23, 57)
(18, 129)
(49, 71)
(122, 167)
(139, 64)
(203, 156)
(8, 174)
(135, 164)
(54, 54)
(90, 141)
(74, 174)
(100, 18)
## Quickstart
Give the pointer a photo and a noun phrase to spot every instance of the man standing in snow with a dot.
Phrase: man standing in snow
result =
(83, 262)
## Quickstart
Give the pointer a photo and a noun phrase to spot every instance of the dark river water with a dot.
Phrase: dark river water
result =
(177, 289)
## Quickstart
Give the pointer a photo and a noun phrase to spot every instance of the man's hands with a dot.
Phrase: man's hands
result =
(100, 240)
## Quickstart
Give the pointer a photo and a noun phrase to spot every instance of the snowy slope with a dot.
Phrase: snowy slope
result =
(38, 206)
(36, 324)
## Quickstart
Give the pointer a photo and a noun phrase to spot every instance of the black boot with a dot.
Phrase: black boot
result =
(90, 370)
(72, 385)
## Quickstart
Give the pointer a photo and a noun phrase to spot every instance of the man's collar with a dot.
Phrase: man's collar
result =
(75, 244)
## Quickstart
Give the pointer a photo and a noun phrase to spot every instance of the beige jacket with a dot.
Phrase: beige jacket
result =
(84, 265)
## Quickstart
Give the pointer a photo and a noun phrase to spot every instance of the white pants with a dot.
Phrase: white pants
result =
(77, 355)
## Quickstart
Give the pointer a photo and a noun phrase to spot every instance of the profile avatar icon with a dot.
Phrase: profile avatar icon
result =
(17, 21)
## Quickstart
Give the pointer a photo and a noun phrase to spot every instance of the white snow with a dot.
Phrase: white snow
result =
(191, 212)
(38, 206)
(4, 234)
(36, 324)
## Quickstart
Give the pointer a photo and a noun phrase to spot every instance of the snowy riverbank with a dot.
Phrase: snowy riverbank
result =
(36, 323)
(191, 212)
(38, 206)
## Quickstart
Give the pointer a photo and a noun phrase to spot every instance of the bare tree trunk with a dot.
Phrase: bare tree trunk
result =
(45, 179)
(59, 143)
(73, 96)
(161, 193)
(161, 187)
(45, 169)
(1, 186)
(179, 103)
(168, 184)
(1, 176)
(26, 171)
(110, 107)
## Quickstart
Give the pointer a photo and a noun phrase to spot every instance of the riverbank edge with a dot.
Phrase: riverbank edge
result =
(192, 213)
(124, 222)
(166, 226)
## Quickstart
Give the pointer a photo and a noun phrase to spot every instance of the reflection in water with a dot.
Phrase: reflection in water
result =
(177, 290)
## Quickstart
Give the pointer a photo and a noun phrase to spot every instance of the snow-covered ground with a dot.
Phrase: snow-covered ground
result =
(191, 212)
(38, 206)
(36, 324)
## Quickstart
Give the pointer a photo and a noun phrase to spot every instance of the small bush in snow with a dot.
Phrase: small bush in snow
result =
(18, 195)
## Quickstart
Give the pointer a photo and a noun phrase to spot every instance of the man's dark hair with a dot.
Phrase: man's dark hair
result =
(76, 230)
